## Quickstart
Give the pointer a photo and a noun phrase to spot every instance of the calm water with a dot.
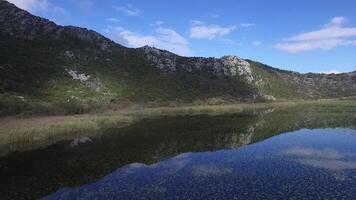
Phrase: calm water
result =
(270, 154)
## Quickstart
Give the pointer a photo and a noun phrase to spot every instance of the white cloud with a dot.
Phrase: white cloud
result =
(163, 38)
(112, 19)
(327, 153)
(256, 43)
(157, 23)
(128, 10)
(196, 22)
(329, 37)
(336, 21)
(328, 158)
(326, 44)
(327, 33)
(331, 72)
(199, 30)
(129, 38)
(31, 5)
(44, 8)
(247, 25)
(210, 170)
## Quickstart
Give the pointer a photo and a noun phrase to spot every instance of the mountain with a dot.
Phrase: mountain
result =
(44, 66)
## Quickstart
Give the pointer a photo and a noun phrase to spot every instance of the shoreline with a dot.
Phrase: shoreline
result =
(22, 134)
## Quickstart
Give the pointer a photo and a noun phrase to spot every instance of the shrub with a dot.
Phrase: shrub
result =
(215, 101)
(12, 105)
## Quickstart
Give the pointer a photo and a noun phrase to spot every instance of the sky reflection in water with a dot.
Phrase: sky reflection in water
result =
(304, 164)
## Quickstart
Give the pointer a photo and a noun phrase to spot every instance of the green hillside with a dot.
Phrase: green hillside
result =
(51, 69)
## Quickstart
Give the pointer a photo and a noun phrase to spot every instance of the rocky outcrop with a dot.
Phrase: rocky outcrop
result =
(196, 77)
(19, 23)
(85, 35)
(225, 66)
(238, 66)
(327, 85)
(92, 83)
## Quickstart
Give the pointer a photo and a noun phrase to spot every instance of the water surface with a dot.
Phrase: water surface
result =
(267, 154)
(313, 164)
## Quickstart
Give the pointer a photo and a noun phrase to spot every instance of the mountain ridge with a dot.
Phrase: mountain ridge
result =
(46, 65)
(55, 29)
(22, 24)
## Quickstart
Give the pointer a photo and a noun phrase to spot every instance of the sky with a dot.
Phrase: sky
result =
(299, 35)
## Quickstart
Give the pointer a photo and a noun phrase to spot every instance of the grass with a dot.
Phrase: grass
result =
(39, 75)
(274, 84)
(41, 131)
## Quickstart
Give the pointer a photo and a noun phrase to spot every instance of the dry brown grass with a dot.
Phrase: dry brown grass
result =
(45, 130)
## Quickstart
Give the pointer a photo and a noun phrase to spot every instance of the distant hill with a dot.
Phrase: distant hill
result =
(47, 65)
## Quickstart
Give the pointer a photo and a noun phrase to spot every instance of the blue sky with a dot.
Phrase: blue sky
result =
(299, 35)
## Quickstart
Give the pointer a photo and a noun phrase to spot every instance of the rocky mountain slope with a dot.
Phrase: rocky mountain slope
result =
(44, 65)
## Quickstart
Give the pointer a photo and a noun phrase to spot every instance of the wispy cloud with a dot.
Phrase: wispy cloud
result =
(215, 16)
(157, 23)
(200, 30)
(45, 7)
(31, 5)
(112, 19)
(42, 6)
(328, 158)
(247, 25)
(331, 72)
(332, 35)
(327, 153)
(128, 10)
(256, 43)
(336, 21)
(196, 22)
(210, 170)
(163, 38)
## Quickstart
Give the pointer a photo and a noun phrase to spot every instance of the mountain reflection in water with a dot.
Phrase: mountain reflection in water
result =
(195, 156)
(294, 165)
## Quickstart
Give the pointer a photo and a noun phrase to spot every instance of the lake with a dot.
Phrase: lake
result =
(294, 153)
